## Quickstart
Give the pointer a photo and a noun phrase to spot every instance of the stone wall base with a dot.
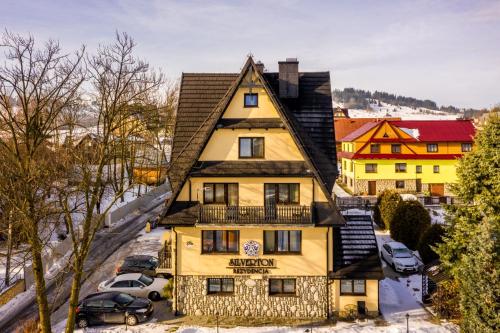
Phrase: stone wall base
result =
(251, 298)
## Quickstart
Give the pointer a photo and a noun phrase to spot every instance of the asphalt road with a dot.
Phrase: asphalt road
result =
(104, 245)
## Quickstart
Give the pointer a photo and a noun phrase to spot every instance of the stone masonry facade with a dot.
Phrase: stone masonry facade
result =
(251, 298)
(361, 186)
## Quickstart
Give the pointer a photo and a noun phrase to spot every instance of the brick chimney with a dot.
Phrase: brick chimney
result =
(289, 78)
(260, 66)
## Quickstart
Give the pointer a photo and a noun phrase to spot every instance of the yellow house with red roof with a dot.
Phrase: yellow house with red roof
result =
(410, 156)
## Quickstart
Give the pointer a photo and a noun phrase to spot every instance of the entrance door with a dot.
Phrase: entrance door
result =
(361, 308)
(418, 185)
(372, 187)
(437, 190)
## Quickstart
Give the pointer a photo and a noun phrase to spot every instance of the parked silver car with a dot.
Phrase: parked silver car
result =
(399, 257)
(135, 284)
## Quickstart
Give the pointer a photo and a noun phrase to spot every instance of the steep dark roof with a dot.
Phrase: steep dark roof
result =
(312, 117)
(355, 250)
(200, 95)
(250, 168)
(204, 97)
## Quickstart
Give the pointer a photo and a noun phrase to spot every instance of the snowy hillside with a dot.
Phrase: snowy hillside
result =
(381, 109)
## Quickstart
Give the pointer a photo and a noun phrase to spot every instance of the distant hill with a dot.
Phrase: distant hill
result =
(352, 98)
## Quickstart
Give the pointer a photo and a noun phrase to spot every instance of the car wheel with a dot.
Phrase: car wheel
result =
(131, 320)
(82, 323)
(154, 296)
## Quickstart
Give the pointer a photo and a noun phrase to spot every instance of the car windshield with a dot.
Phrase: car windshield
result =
(124, 299)
(402, 253)
(146, 280)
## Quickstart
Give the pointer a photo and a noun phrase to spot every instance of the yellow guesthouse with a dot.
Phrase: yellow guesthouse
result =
(254, 229)
(410, 156)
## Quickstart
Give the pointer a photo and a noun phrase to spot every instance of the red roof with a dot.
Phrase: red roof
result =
(440, 130)
(345, 126)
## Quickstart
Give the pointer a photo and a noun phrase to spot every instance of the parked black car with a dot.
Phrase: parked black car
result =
(112, 307)
(139, 264)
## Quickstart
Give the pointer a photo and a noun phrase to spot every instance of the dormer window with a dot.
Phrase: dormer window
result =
(251, 100)
(251, 148)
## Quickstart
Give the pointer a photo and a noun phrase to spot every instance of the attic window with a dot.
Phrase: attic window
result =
(251, 100)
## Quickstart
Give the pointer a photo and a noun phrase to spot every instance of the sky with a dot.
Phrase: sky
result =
(447, 51)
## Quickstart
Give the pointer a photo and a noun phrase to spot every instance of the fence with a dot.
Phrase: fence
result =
(365, 203)
(136, 204)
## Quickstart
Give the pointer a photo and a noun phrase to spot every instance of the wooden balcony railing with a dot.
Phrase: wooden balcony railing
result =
(279, 214)
(165, 256)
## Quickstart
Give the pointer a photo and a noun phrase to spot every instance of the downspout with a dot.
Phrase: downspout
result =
(190, 190)
(174, 272)
(327, 262)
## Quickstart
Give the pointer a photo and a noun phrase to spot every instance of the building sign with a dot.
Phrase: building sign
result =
(251, 266)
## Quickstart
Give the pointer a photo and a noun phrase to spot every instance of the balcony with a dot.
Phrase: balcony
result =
(279, 214)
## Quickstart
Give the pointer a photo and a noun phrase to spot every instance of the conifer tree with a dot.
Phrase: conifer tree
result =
(470, 249)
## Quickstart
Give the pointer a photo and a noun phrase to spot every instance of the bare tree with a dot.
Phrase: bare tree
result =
(119, 80)
(36, 84)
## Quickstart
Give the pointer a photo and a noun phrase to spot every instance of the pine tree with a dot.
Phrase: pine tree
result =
(479, 276)
(470, 248)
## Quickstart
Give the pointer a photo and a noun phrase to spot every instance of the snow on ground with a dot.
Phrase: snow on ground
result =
(403, 112)
(438, 215)
(340, 192)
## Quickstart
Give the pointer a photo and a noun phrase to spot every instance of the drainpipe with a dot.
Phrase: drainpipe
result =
(327, 262)
(174, 272)
(190, 199)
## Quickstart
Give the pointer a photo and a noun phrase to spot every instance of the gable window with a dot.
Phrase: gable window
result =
(281, 287)
(251, 100)
(400, 184)
(432, 147)
(220, 286)
(466, 147)
(396, 148)
(220, 193)
(435, 168)
(282, 194)
(220, 241)
(400, 167)
(375, 148)
(282, 241)
(251, 148)
(352, 287)
(371, 168)
(418, 169)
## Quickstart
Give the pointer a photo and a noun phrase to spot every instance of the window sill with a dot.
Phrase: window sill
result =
(220, 253)
(251, 106)
(283, 295)
(251, 157)
(282, 253)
